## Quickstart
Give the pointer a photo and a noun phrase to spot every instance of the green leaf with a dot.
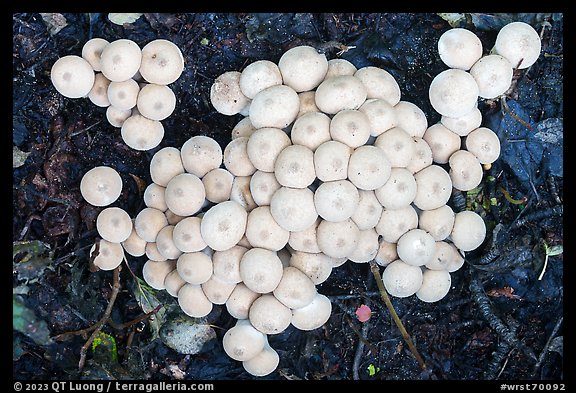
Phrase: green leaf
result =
(554, 250)
(146, 298)
(25, 321)
(372, 370)
(122, 18)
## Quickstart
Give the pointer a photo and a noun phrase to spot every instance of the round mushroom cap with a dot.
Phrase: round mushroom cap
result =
(259, 75)
(236, 158)
(519, 43)
(114, 224)
(484, 144)
(447, 257)
(401, 279)
(156, 102)
(369, 168)
(225, 94)
(110, 255)
(453, 93)
(268, 315)
(493, 75)
(465, 170)
(397, 145)
(141, 133)
(416, 247)
(459, 48)
(193, 301)
(337, 239)
(154, 197)
(294, 167)
(276, 106)
(185, 194)
(173, 282)
(411, 118)
(305, 240)
(331, 161)
(350, 126)
(340, 93)
(92, 50)
(379, 84)
(317, 266)
(194, 267)
(243, 341)
(435, 285)
(99, 92)
(172, 217)
(399, 191)
(381, 115)
(148, 223)
(217, 290)
(293, 208)
(101, 186)
(437, 222)
(134, 245)
(311, 130)
(72, 76)
(264, 146)
(162, 62)
(469, 231)
(303, 68)
(262, 364)
(368, 212)
(464, 124)
(367, 247)
(336, 200)
(314, 315)
(226, 264)
(422, 156)
(240, 300)
(262, 186)
(262, 230)
(395, 223)
(200, 154)
(433, 187)
(442, 142)
(165, 243)
(123, 95)
(223, 225)
(120, 60)
(164, 165)
(153, 254)
(218, 185)
(115, 116)
(240, 192)
(295, 289)
(307, 102)
(260, 270)
(386, 253)
(243, 128)
(155, 272)
(337, 67)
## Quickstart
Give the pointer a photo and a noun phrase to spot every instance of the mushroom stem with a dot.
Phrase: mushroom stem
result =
(376, 272)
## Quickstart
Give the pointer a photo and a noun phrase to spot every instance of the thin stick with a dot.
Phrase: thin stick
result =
(545, 349)
(399, 324)
(120, 326)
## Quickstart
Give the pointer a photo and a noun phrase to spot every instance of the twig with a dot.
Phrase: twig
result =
(548, 343)
(120, 326)
(399, 324)
(358, 354)
(354, 296)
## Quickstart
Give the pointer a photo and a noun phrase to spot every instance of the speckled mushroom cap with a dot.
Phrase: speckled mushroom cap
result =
(92, 50)
(268, 315)
(519, 43)
(276, 106)
(164, 165)
(484, 144)
(185, 194)
(72, 76)
(314, 315)
(120, 60)
(259, 75)
(295, 289)
(493, 75)
(101, 186)
(225, 94)
(465, 170)
(435, 285)
(264, 363)
(114, 224)
(379, 84)
(433, 187)
(201, 154)
(303, 68)
(293, 208)
(260, 270)
(453, 93)
(459, 48)
(243, 341)
(162, 62)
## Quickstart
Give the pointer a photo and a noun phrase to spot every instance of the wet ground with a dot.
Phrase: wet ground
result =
(502, 318)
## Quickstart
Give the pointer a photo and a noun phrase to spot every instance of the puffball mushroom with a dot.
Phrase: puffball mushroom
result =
(262, 231)
(194, 267)
(263, 363)
(99, 92)
(433, 187)
(302, 68)
(465, 170)
(259, 75)
(226, 95)
(366, 248)
(92, 50)
(148, 223)
(72, 76)
(464, 124)
(218, 185)
(120, 60)
(381, 115)
(164, 165)
(443, 142)
(307, 102)
(193, 301)
(435, 285)
(340, 93)
(156, 102)
(398, 146)
(114, 224)
(399, 191)
(493, 75)
(187, 236)
(101, 186)
(331, 160)
(411, 118)
(351, 127)
(422, 157)
(386, 253)
(153, 254)
(447, 257)
(469, 231)
(459, 48)
(313, 315)
(437, 222)
(162, 62)
(217, 290)
(453, 93)
(305, 240)
(173, 283)
(519, 43)
(184, 194)
(134, 245)
(311, 130)
(379, 84)
(116, 117)
(295, 289)
(416, 247)
(338, 67)
(395, 223)
(243, 341)
(337, 239)
(261, 270)
(276, 106)
(401, 279)
(223, 225)
(110, 255)
(155, 272)
(141, 133)
(317, 266)
(236, 158)
(294, 167)
(264, 146)
(165, 243)
(368, 211)
(484, 144)
(293, 208)
(243, 128)
(262, 186)
(336, 200)
(226, 264)
(240, 300)
(123, 95)
(201, 154)
(268, 315)
(240, 192)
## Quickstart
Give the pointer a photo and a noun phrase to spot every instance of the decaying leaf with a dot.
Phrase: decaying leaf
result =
(146, 298)
(18, 157)
(186, 335)
(30, 258)
(507, 292)
(54, 22)
(25, 321)
(123, 17)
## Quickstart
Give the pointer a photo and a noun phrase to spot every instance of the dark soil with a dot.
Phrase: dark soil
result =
(499, 321)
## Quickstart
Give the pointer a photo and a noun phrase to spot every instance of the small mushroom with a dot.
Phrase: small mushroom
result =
(223, 225)
(123, 95)
(162, 62)
(337, 239)
(519, 43)
(395, 223)
(263, 231)
(379, 84)
(165, 243)
(164, 165)
(259, 75)
(261, 270)
(465, 170)
(447, 257)
(331, 161)
(381, 115)
(422, 157)
(155, 272)
(294, 167)
(493, 75)
(243, 341)
(116, 117)
(226, 264)
(411, 118)
(264, 363)
(339, 66)
(72, 76)
(399, 191)
(386, 253)
(99, 92)
(469, 231)
(459, 48)
(153, 254)
(243, 128)
(313, 315)
(339, 93)
(442, 142)
(173, 282)
(276, 106)
(369, 168)
(134, 245)
(154, 197)
(148, 223)
(110, 255)
(200, 154)
(185, 194)
(484, 144)
(269, 315)
(401, 279)
(307, 103)
(193, 301)
(240, 300)
(366, 248)
(101, 186)
(141, 133)
(433, 188)
(464, 124)
(435, 285)
(92, 50)
(305, 240)
(240, 192)
(317, 266)
(311, 130)
(114, 224)
(236, 158)
(295, 289)
(293, 208)
(218, 185)
(453, 93)
(264, 146)
(437, 222)
(156, 102)
(397, 145)
(336, 200)
(194, 267)
(217, 290)
(368, 211)
(416, 247)
(225, 94)
(303, 68)
(120, 60)
(351, 127)
(262, 186)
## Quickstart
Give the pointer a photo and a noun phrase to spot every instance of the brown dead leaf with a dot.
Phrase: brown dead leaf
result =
(507, 292)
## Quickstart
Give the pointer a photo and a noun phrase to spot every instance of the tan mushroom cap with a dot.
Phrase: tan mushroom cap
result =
(337, 239)
(368, 211)
(154, 197)
(261, 270)
(110, 255)
(259, 75)
(116, 117)
(240, 192)
(397, 145)
(120, 60)
(416, 247)
(262, 186)
(141, 133)
(134, 245)
(442, 142)
(153, 254)
(293, 208)
(422, 157)
(464, 124)
(386, 253)
(381, 115)
(172, 217)
(453, 93)
(217, 290)
(72, 76)
(331, 161)
(225, 94)
(240, 300)
(294, 167)
(101, 186)
(218, 185)
(114, 224)
(317, 266)
(165, 164)
(401, 279)
(433, 188)
(459, 48)
(314, 315)
(243, 341)
(379, 84)
(336, 200)
(337, 67)
(276, 106)
(395, 223)
(268, 315)
(369, 168)
(99, 92)
(519, 43)
(303, 68)
(411, 118)
(307, 102)
(173, 282)
(295, 289)
(193, 301)
(162, 62)
(351, 127)
(194, 267)
(185, 194)
(447, 257)
(366, 248)
(165, 243)
(262, 230)
(484, 144)
(155, 272)
(465, 170)
(156, 102)
(305, 240)
(92, 50)
(226, 264)
(243, 128)
(339, 93)
(148, 223)
(493, 75)
(236, 158)
(437, 222)
(399, 191)
(223, 225)
(262, 364)
(311, 130)
(435, 285)
(123, 95)
(200, 154)
(469, 231)
(264, 146)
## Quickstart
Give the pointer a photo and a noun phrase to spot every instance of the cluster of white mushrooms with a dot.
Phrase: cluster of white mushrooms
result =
(328, 165)
(131, 83)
